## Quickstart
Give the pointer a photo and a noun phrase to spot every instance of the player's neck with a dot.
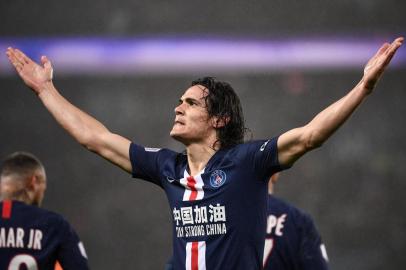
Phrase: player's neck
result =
(198, 156)
(15, 195)
(21, 198)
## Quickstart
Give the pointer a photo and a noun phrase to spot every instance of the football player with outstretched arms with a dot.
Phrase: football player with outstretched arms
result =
(217, 188)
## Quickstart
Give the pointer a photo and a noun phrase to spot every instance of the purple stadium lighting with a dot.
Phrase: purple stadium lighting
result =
(157, 56)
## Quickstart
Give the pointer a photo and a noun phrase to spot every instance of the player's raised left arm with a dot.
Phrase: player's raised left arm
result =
(296, 142)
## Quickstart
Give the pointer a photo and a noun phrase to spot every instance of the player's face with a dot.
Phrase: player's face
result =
(192, 121)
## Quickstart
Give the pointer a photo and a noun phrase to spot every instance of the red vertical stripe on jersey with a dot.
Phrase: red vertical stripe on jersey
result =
(6, 213)
(191, 183)
(195, 256)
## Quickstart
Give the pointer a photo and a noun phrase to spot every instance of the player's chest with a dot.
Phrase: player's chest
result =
(208, 184)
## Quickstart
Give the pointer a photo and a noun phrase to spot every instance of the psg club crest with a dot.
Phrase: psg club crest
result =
(217, 178)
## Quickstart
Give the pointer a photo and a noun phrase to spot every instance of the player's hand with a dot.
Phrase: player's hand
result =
(35, 76)
(378, 63)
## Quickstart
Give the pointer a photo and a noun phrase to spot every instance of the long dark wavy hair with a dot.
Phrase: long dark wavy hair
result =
(223, 103)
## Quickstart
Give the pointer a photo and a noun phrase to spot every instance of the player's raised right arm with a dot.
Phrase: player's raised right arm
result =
(84, 128)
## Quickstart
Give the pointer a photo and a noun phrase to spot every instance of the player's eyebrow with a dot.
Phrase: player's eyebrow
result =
(191, 100)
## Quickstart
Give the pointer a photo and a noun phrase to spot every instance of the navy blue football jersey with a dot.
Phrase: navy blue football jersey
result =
(217, 213)
(292, 240)
(37, 238)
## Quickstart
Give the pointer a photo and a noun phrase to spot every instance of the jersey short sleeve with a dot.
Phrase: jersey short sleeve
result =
(312, 256)
(147, 163)
(71, 253)
(263, 157)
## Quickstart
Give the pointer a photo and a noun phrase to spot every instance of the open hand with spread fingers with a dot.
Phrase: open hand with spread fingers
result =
(378, 63)
(35, 76)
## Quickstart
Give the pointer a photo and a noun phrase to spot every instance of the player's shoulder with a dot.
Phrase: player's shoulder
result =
(56, 221)
(148, 149)
(48, 215)
(142, 153)
(52, 215)
(275, 202)
(21, 211)
(249, 147)
(258, 144)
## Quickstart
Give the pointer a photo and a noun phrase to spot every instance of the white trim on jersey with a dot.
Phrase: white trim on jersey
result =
(267, 250)
(193, 186)
(195, 255)
(152, 149)
(324, 252)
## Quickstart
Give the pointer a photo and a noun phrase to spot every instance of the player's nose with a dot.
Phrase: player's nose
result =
(179, 109)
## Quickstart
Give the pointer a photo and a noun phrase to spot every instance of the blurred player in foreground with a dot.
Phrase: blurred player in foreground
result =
(217, 188)
(31, 236)
(292, 241)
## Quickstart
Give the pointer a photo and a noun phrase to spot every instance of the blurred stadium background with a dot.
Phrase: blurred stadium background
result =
(127, 63)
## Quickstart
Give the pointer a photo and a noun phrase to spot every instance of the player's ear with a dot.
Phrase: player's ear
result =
(219, 122)
(31, 182)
